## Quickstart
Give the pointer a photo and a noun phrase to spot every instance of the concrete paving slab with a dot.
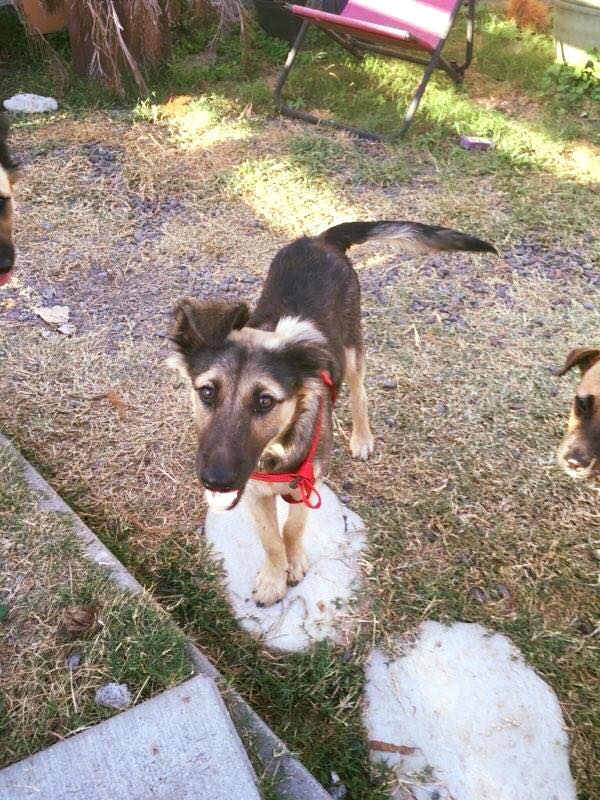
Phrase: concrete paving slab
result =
(459, 715)
(319, 606)
(180, 745)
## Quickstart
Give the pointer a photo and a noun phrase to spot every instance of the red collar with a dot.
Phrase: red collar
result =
(303, 478)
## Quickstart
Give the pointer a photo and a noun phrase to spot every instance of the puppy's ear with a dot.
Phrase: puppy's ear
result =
(5, 158)
(205, 325)
(582, 357)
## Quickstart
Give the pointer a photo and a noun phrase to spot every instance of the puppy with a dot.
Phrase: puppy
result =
(8, 175)
(263, 383)
(579, 453)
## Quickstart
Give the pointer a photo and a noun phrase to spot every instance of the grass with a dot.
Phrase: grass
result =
(48, 586)
(194, 197)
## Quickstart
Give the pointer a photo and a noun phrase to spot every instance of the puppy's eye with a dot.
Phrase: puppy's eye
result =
(207, 395)
(264, 402)
(584, 405)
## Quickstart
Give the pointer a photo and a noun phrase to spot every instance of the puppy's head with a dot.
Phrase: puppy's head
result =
(246, 385)
(579, 453)
(8, 174)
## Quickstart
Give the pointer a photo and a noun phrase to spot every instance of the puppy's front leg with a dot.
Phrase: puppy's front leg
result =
(293, 532)
(271, 582)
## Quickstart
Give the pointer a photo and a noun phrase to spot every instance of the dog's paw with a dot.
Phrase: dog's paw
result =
(297, 568)
(270, 585)
(271, 458)
(362, 446)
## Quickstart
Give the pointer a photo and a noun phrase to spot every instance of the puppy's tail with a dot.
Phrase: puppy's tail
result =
(415, 236)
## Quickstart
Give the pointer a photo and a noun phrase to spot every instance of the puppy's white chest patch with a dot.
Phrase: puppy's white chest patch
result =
(319, 606)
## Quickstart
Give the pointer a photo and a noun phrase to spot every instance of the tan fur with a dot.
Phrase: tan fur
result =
(580, 437)
(361, 442)
(7, 180)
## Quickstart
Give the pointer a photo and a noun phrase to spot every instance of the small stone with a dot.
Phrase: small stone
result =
(475, 143)
(74, 660)
(113, 695)
(441, 408)
(68, 329)
(347, 486)
(502, 591)
(553, 391)
(596, 554)
(477, 594)
(586, 628)
(338, 792)
(389, 383)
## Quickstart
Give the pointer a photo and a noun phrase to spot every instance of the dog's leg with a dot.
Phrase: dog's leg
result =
(293, 531)
(271, 582)
(361, 442)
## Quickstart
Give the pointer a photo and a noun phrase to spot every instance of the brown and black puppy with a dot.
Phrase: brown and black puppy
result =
(8, 174)
(256, 379)
(579, 453)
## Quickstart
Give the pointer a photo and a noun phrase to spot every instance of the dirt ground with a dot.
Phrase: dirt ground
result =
(469, 517)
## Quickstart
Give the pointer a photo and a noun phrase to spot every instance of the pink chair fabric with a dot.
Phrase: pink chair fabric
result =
(419, 22)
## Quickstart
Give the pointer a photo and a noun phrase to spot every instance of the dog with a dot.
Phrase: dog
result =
(579, 452)
(8, 176)
(263, 383)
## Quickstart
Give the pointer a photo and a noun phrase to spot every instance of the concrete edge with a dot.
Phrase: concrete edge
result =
(291, 779)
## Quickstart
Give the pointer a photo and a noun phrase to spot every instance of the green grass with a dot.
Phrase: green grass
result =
(45, 576)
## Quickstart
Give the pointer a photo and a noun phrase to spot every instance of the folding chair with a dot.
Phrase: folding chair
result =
(402, 29)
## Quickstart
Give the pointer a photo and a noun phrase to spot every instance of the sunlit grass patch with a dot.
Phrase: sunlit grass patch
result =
(197, 122)
(286, 195)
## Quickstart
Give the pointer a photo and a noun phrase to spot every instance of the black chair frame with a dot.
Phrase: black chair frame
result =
(357, 47)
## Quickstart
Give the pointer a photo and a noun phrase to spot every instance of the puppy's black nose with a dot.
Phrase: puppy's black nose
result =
(6, 263)
(218, 478)
(577, 459)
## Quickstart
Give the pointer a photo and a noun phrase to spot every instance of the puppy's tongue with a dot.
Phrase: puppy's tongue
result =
(221, 501)
(5, 277)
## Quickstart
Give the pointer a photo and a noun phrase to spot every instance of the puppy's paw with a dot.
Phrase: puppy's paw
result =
(270, 585)
(297, 567)
(362, 446)
(271, 458)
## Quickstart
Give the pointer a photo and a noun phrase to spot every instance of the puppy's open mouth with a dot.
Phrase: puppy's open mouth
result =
(222, 501)
(5, 277)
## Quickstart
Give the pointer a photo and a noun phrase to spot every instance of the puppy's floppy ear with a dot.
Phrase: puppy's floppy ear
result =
(205, 325)
(582, 357)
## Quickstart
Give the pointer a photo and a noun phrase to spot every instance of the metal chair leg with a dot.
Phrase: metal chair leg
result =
(294, 113)
(416, 99)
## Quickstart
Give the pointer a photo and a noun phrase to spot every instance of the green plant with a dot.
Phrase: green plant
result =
(574, 84)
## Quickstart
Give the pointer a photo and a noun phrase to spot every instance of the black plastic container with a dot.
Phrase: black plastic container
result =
(276, 21)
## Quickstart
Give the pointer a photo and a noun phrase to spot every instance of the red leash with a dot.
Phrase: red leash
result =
(304, 477)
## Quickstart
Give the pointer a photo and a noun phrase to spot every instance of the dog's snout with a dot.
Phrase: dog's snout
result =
(577, 459)
(218, 478)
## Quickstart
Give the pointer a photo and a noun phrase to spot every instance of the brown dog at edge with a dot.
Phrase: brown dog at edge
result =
(579, 452)
(8, 175)
(256, 379)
